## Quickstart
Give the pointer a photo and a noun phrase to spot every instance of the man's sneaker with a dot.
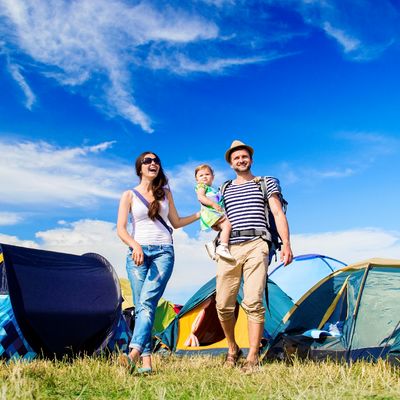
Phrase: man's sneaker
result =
(223, 252)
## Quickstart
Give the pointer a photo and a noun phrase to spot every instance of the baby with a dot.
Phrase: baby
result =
(212, 213)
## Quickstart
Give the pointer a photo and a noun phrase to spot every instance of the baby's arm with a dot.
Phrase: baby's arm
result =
(203, 199)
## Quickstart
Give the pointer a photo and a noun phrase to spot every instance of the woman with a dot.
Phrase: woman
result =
(150, 258)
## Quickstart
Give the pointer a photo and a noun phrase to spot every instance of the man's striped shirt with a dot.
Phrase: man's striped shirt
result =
(244, 205)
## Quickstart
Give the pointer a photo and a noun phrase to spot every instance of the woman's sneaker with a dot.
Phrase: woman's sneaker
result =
(223, 252)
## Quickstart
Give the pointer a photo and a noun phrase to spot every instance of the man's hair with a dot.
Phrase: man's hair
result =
(203, 166)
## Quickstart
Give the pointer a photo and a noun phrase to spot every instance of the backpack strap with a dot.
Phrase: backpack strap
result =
(224, 186)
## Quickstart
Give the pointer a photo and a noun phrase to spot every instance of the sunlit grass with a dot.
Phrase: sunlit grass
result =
(197, 378)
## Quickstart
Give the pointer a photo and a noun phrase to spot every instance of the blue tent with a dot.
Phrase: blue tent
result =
(303, 273)
(58, 304)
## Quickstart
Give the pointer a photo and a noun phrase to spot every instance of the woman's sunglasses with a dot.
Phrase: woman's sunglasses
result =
(149, 160)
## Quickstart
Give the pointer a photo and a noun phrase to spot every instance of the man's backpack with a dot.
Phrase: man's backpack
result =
(272, 235)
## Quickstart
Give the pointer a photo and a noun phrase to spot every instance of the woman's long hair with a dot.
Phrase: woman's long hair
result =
(157, 186)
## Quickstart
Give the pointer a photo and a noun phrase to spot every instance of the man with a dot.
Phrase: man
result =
(245, 208)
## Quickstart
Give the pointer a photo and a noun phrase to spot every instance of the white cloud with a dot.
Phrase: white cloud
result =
(219, 3)
(362, 150)
(99, 48)
(348, 43)
(363, 29)
(16, 241)
(183, 65)
(30, 98)
(350, 246)
(193, 268)
(41, 173)
(9, 218)
(373, 142)
(86, 236)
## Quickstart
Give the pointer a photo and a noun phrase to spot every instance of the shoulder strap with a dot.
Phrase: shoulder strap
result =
(158, 216)
(262, 182)
(224, 186)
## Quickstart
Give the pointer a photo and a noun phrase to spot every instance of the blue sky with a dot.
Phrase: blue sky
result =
(312, 85)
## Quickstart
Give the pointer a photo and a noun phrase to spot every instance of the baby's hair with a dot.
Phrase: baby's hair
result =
(203, 166)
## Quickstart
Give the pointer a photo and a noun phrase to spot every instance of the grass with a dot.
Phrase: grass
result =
(197, 378)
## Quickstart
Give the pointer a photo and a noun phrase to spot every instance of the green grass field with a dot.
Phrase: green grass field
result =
(197, 378)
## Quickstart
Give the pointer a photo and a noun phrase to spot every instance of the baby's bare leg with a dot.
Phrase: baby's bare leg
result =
(226, 228)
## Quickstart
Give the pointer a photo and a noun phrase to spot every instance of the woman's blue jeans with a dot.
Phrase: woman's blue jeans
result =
(148, 282)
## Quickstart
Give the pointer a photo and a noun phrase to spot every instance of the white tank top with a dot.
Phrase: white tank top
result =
(144, 230)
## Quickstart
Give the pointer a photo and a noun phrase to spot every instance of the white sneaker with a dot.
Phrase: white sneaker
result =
(210, 247)
(224, 253)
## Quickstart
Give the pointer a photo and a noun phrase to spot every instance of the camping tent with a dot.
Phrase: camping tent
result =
(354, 313)
(196, 329)
(303, 273)
(58, 304)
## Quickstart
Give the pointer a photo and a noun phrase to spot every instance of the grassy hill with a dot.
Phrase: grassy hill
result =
(197, 378)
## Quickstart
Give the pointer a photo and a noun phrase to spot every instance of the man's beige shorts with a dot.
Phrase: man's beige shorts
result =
(251, 262)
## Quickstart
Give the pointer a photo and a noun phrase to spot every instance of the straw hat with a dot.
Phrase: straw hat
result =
(237, 145)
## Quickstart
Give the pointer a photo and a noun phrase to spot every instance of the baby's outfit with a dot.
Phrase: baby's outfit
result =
(208, 215)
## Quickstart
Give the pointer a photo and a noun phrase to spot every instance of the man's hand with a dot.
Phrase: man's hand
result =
(286, 254)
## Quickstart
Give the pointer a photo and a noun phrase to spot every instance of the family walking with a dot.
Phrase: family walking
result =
(242, 253)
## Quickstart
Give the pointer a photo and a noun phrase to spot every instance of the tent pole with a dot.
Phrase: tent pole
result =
(356, 308)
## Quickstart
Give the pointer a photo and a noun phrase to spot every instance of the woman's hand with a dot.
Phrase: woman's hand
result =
(137, 254)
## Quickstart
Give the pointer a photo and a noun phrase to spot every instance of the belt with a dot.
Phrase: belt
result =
(248, 232)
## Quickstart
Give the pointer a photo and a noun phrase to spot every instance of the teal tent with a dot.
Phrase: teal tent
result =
(354, 313)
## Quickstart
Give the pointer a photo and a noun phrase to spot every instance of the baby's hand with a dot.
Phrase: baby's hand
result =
(218, 208)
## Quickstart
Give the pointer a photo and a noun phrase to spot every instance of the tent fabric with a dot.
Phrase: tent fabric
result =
(198, 317)
(303, 273)
(12, 343)
(64, 304)
(361, 302)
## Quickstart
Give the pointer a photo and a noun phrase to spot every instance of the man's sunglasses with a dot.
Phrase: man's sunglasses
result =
(149, 160)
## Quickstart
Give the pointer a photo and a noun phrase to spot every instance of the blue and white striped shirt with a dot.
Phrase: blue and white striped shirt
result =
(244, 205)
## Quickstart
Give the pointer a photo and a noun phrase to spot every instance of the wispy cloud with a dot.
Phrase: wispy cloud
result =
(378, 142)
(349, 44)
(99, 48)
(30, 98)
(183, 65)
(360, 152)
(9, 218)
(82, 41)
(363, 29)
(76, 42)
(42, 173)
